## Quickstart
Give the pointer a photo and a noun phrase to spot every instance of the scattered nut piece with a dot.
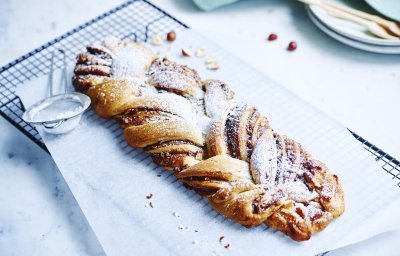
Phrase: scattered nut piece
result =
(213, 66)
(201, 52)
(171, 36)
(176, 214)
(195, 242)
(272, 37)
(292, 46)
(209, 60)
(181, 227)
(158, 175)
(149, 196)
(196, 231)
(156, 40)
(186, 52)
(221, 238)
(227, 246)
(151, 204)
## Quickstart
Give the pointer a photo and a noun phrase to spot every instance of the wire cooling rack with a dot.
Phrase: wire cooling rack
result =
(135, 20)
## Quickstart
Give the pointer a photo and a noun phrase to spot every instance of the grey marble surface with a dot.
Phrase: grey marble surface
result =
(39, 215)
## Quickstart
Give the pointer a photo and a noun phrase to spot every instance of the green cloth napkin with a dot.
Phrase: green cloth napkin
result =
(207, 5)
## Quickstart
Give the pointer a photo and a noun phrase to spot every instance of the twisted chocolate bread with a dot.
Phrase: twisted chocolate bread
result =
(224, 150)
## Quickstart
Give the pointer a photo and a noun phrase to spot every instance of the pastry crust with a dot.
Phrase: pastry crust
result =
(236, 132)
(224, 150)
(108, 95)
(173, 77)
(113, 58)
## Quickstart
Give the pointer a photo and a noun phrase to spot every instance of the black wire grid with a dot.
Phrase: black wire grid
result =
(135, 20)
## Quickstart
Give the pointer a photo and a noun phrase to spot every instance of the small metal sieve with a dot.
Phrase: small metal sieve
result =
(58, 113)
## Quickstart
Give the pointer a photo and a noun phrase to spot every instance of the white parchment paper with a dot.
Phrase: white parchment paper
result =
(110, 180)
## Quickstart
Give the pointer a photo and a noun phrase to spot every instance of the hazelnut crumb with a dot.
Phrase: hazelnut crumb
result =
(227, 246)
(201, 52)
(149, 196)
(156, 40)
(209, 60)
(151, 204)
(196, 231)
(221, 238)
(158, 175)
(175, 214)
(171, 36)
(195, 242)
(181, 227)
(213, 66)
(186, 52)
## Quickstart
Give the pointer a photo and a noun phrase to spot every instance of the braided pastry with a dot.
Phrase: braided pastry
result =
(224, 150)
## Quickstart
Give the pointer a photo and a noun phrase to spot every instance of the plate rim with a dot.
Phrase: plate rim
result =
(371, 41)
(392, 50)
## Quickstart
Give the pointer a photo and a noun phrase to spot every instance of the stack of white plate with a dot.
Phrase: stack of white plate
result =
(351, 33)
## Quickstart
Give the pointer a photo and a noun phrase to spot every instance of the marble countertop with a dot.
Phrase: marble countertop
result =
(39, 215)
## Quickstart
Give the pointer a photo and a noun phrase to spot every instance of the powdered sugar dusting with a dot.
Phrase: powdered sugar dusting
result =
(275, 168)
(264, 164)
(174, 103)
(170, 76)
(172, 80)
(217, 99)
(129, 61)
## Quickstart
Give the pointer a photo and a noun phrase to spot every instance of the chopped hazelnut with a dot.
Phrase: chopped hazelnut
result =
(186, 52)
(209, 60)
(156, 40)
(213, 66)
(201, 52)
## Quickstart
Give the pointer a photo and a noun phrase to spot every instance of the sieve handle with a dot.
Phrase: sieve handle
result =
(64, 71)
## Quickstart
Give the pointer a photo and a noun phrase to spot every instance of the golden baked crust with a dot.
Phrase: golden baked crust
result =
(243, 125)
(186, 81)
(287, 190)
(225, 151)
(108, 95)
(110, 73)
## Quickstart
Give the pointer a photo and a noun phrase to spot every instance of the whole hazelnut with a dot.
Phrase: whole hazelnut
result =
(292, 46)
(171, 36)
